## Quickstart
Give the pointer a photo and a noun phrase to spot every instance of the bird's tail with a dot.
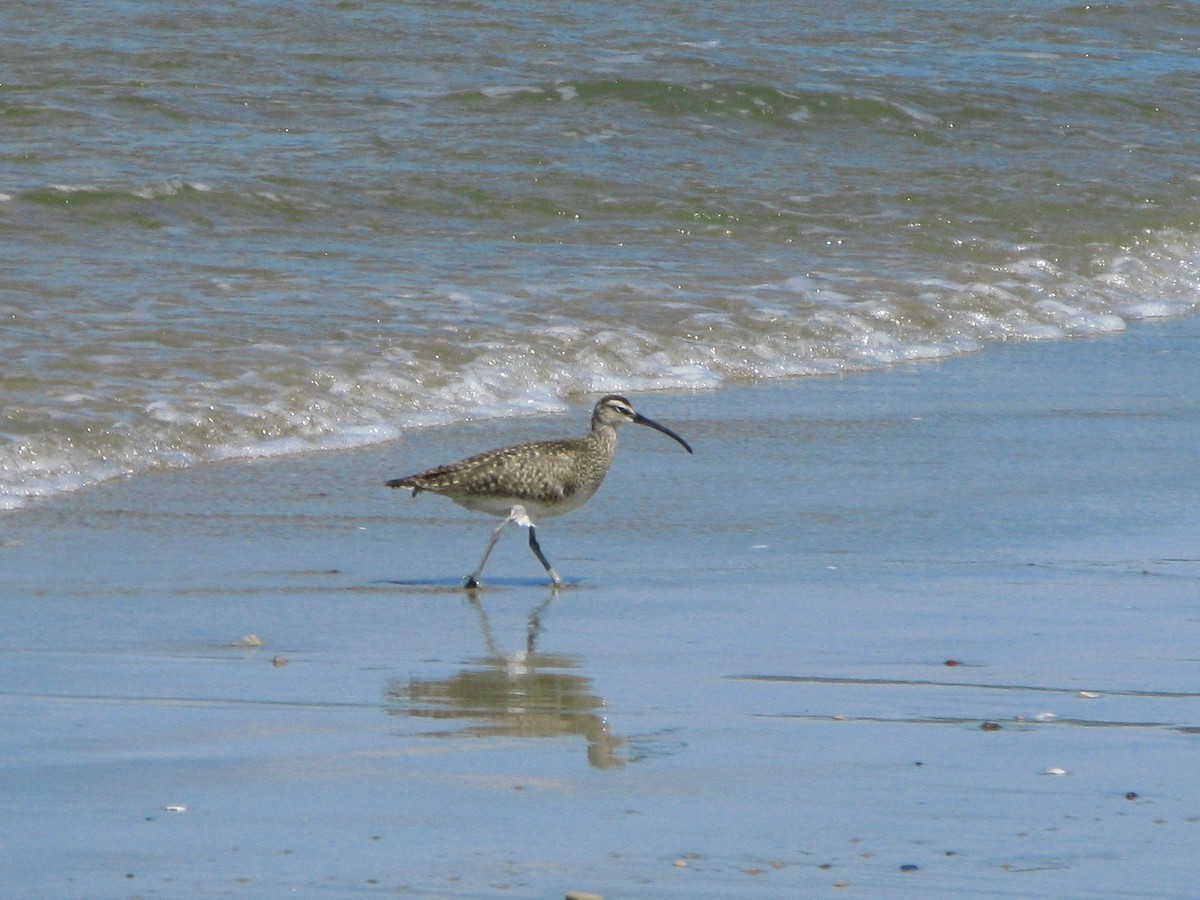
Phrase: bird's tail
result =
(409, 482)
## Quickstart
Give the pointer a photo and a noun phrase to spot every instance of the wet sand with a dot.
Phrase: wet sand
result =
(927, 632)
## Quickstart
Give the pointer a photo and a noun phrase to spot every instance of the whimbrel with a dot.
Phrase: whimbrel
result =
(529, 482)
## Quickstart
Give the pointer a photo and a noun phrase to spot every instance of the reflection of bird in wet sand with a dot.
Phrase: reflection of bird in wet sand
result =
(528, 694)
(529, 482)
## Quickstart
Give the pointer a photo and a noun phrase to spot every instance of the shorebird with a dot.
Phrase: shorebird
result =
(528, 482)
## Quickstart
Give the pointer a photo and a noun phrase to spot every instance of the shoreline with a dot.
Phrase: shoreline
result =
(351, 439)
(745, 689)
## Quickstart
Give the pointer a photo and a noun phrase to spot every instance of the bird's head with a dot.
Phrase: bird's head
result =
(615, 410)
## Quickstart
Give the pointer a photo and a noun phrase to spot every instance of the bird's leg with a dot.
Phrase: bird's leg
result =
(473, 578)
(537, 551)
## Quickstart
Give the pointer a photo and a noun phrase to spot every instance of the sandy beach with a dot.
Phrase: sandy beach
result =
(926, 632)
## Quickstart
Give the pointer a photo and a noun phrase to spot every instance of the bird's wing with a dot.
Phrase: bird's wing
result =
(548, 475)
(544, 471)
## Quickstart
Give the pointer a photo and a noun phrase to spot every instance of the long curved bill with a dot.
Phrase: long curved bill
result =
(639, 419)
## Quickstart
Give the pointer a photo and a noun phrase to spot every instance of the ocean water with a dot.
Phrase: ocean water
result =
(255, 228)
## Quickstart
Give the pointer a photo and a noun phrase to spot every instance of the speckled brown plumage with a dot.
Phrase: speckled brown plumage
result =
(528, 482)
(546, 475)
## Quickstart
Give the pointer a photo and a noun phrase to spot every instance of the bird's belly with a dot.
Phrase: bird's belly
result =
(499, 505)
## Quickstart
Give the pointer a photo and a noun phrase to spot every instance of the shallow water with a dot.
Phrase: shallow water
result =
(264, 228)
(745, 690)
